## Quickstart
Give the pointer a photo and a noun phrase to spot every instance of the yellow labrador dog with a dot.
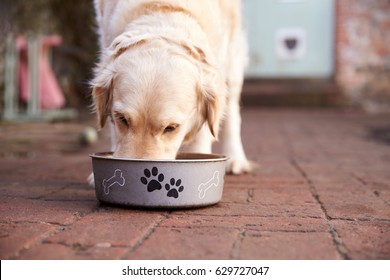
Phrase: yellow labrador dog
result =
(169, 72)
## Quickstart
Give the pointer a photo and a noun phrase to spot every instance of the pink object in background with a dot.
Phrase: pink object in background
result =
(50, 95)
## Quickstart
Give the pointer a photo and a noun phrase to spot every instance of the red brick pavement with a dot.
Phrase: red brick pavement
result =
(321, 191)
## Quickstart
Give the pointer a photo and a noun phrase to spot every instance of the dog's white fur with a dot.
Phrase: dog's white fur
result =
(170, 71)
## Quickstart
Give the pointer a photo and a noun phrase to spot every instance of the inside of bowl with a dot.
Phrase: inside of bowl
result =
(180, 156)
(198, 156)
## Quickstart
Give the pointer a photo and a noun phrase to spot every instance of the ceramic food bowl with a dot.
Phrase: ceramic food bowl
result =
(192, 180)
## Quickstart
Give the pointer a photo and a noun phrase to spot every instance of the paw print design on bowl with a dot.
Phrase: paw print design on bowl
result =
(174, 188)
(152, 179)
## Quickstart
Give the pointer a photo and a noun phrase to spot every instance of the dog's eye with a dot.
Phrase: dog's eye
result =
(170, 128)
(122, 119)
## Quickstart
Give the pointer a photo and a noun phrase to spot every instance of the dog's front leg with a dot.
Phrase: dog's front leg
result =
(231, 130)
(231, 140)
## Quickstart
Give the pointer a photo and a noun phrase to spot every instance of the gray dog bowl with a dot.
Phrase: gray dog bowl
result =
(192, 180)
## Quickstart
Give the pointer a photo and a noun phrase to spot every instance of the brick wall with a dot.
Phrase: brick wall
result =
(363, 52)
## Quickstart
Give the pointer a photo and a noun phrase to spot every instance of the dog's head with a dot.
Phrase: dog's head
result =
(158, 93)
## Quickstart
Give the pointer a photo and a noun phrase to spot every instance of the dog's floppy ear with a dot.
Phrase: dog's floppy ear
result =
(212, 98)
(102, 95)
(105, 73)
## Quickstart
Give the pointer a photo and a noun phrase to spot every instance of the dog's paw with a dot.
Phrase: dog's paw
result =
(91, 180)
(239, 166)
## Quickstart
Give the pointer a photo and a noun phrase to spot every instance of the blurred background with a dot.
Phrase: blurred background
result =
(319, 52)
(308, 53)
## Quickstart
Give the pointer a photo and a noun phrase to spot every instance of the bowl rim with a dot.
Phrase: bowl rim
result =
(182, 157)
